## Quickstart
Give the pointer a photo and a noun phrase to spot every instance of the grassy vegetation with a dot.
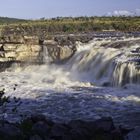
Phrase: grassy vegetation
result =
(68, 25)
(6, 20)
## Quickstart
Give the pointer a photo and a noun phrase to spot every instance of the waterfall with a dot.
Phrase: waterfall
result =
(126, 73)
(58, 90)
(127, 70)
(99, 64)
(45, 55)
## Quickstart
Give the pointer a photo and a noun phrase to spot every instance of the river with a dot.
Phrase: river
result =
(101, 79)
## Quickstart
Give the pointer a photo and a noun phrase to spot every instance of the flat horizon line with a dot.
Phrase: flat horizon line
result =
(59, 17)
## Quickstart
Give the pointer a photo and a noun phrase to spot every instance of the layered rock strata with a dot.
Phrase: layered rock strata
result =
(31, 50)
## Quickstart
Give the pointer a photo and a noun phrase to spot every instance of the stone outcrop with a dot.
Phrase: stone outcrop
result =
(19, 52)
(30, 49)
(40, 128)
(134, 135)
(60, 53)
(24, 49)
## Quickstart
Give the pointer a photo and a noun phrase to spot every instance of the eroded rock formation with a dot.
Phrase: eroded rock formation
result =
(30, 49)
(41, 128)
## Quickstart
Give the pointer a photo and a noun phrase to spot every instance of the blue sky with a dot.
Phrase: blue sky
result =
(33, 9)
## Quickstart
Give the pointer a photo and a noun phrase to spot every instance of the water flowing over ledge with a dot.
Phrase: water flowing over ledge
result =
(115, 63)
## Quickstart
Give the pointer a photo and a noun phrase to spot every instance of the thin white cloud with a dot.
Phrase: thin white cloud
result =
(120, 13)
(136, 12)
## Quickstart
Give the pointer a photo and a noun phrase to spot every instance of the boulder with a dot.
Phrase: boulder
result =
(41, 128)
(59, 130)
(35, 137)
(9, 131)
(38, 117)
(60, 53)
(134, 135)
(105, 124)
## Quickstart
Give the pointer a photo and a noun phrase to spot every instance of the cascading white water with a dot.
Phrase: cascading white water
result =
(126, 73)
(45, 55)
(97, 63)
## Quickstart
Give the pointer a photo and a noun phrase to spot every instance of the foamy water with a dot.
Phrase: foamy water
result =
(74, 90)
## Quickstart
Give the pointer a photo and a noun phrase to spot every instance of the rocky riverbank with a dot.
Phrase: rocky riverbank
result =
(35, 50)
(31, 50)
(38, 127)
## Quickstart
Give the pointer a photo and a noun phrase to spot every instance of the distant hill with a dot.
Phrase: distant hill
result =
(7, 20)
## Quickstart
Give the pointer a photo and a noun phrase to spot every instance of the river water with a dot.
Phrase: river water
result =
(101, 79)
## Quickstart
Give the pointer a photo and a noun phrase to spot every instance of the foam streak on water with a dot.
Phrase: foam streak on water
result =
(74, 90)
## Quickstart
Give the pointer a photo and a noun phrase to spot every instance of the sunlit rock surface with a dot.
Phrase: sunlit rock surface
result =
(31, 50)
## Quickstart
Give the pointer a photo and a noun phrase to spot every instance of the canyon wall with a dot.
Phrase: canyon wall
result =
(32, 50)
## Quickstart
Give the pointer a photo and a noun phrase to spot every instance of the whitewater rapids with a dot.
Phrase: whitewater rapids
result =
(99, 80)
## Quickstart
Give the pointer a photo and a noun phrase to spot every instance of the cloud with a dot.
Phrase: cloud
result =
(120, 13)
(136, 12)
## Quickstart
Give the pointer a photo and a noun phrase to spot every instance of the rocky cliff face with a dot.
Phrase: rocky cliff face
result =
(31, 49)
(26, 49)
